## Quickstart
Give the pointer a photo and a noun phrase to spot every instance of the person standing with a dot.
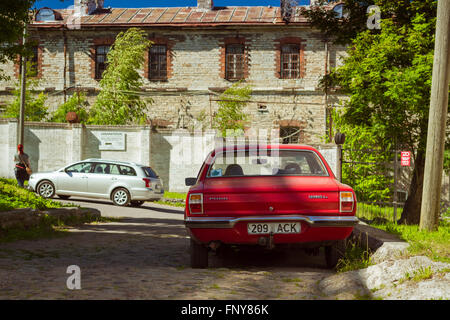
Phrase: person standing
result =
(22, 164)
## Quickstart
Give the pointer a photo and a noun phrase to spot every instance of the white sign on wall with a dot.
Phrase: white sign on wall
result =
(110, 140)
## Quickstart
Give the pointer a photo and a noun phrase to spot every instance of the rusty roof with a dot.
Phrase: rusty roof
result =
(184, 16)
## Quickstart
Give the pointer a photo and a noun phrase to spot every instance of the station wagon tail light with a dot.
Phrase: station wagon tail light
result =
(148, 182)
(196, 203)
(346, 201)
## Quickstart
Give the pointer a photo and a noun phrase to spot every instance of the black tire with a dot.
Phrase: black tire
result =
(137, 203)
(120, 197)
(334, 253)
(199, 255)
(46, 189)
(63, 197)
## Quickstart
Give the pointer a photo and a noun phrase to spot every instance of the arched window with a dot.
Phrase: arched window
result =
(45, 14)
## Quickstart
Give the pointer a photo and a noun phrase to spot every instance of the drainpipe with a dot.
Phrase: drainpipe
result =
(326, 92)
(65, 64)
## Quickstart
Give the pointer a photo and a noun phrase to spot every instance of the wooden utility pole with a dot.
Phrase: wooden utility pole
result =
(23, 81)
(434, 158)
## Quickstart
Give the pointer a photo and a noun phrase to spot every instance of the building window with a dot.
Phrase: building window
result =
(234, 62)
(290, 135)
(101, 53)
(158, 62)
(290, 61)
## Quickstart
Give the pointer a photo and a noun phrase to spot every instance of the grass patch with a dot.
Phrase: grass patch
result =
(435, 244)
(372, 211)
(418, 275)
(13, 197)
(175, 195)
(354, 258)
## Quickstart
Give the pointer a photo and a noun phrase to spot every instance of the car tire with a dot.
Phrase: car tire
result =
(334, 253)
(46, 189)
(199, 255)
(137, 203)
(120, 197)
(63, 197)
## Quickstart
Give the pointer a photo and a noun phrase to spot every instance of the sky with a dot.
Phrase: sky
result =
(58, 4)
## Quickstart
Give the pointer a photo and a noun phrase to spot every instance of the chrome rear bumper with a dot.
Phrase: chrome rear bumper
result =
(229, 222)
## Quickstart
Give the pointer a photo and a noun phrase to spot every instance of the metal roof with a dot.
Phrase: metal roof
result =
(182, 16)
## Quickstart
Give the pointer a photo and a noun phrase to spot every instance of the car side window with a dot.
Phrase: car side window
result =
(83, 167)
(127, 171)
(106, 168)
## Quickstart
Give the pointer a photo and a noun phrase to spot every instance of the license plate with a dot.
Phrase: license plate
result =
(275, 227)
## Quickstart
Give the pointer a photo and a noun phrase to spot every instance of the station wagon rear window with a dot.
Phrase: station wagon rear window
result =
(267, 163)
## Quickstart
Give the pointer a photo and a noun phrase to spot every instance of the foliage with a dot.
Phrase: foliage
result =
(12, 197)
(387, 76)
(354, 258)
(118, 102)
(76, 103)
(372, 154)
(354, 21)
(35, 109)
(230, 115)
(13, 16)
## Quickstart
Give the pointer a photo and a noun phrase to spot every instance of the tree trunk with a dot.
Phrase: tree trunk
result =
(411, 209)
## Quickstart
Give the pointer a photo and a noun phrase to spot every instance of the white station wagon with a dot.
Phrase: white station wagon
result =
(122, 182)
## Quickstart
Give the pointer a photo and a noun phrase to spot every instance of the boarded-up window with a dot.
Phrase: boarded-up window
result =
(101, 63)
(158, 62)
(235, 60)
(290, 61)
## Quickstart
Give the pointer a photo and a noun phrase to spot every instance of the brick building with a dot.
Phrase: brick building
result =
(197, 53)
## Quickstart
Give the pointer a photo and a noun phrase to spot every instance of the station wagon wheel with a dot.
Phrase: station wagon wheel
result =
(120, 197)
(335, 252)
(199, 255)
(46, 189)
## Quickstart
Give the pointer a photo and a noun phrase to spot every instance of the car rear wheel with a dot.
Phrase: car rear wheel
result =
(199, 255)
(46, 189)
(120, 197)
(334, 252)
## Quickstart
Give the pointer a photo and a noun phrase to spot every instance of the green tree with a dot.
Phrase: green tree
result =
(35, 109)
(14, 15)
(119, 102)
(231, 115)
(387, 76)
(76, 103)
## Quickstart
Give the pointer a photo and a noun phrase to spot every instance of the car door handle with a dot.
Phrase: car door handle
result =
(113, 178)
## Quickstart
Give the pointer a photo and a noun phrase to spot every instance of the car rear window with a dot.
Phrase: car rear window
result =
(267, 163)
(149, 172)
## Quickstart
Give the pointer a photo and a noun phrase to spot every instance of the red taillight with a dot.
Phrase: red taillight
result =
(196, 203)
(148, 182)
(346, 201)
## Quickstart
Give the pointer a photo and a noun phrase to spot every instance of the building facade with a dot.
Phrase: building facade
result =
(197, 53)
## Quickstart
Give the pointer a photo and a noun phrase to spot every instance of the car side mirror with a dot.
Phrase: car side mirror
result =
(190, 181)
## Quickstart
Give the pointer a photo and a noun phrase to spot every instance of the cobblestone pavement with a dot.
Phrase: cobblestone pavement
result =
(146, 256)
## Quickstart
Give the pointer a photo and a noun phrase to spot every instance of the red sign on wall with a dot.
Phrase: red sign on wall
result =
(405, 159)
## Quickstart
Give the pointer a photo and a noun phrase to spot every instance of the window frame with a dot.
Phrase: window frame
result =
(99, 76)
(293, 51)
(160, 62)
(238, 71)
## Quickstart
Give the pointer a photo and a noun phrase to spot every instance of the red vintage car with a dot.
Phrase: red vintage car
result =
(268, 195)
